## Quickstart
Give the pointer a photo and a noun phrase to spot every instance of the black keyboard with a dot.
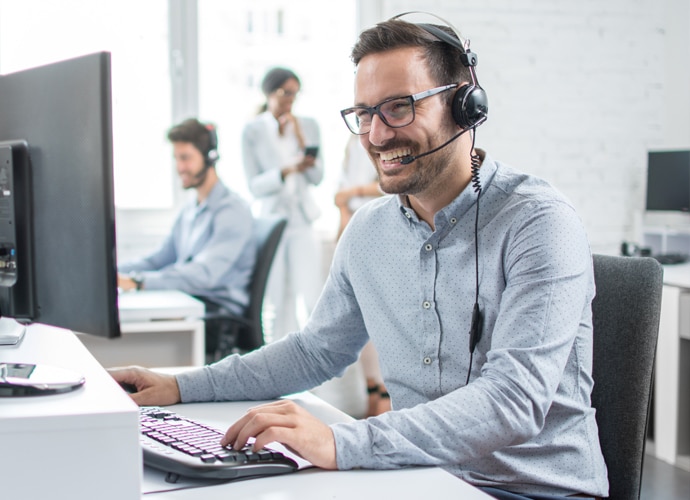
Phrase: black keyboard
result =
(183, 447)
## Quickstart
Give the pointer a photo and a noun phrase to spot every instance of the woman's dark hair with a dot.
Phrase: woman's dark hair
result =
(275, 78)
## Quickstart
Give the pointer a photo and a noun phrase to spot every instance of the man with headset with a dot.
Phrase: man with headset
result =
(210, 251)
(474, 283)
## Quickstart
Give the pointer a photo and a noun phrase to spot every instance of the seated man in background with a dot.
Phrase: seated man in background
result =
(210, 251)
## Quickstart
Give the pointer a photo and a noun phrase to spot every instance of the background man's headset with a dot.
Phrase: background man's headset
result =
(211, 156)
(469, 108)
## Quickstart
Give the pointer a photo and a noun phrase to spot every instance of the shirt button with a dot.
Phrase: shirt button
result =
(426, 304)
(428, 247)
(427, 360)
(453, 220)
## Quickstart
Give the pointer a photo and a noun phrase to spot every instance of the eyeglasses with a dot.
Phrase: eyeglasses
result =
(281, 92)
(396, 112)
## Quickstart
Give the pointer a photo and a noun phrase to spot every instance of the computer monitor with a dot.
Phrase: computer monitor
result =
(57, 217)
(668, 181)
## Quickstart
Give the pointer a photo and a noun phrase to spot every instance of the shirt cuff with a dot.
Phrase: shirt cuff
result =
(353, 446)
(194, 386)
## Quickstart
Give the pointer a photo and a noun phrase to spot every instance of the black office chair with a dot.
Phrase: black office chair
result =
(626, 313)
(245, 333)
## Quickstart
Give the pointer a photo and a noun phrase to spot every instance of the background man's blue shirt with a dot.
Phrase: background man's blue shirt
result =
(210, 251)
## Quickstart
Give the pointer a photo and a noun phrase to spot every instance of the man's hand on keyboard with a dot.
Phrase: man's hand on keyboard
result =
(288, 423)
(152, 389)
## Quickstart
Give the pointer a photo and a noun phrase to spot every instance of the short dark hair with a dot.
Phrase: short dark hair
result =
(443, 60)
(192, 130)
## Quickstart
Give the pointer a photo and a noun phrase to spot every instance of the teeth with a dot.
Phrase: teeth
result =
(392, 155)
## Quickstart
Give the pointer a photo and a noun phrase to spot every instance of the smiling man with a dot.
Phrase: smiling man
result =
(474, 283)
(210, 252)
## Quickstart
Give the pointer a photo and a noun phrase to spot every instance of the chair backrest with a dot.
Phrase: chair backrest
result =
(625, 316)
(268, 231)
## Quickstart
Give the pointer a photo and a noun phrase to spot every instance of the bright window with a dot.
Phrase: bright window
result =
(37, 32)
(237, 43)
(240, 41)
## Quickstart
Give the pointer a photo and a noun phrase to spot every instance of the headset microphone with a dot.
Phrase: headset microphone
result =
(409, 159)
(201, 174)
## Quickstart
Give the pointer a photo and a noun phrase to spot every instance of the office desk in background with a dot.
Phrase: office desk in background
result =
(159, 328)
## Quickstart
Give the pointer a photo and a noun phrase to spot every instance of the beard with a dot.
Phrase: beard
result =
(423, 174)
(197, 180)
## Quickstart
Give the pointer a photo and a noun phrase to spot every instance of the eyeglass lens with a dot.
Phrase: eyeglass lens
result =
(394, 113)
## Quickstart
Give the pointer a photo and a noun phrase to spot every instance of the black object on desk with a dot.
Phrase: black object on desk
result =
(183, 447)
(671, 258)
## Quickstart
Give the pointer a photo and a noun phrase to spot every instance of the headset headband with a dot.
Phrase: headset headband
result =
(464, 44)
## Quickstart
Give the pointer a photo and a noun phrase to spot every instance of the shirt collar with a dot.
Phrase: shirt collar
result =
(217, 193)
(270, 120)
(457, 208)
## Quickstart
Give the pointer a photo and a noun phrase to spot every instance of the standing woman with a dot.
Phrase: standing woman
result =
(280, 172)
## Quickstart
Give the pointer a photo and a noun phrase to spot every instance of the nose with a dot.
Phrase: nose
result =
(379, 132)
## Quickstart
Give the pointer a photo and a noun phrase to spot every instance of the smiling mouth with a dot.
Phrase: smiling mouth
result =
(394, 156)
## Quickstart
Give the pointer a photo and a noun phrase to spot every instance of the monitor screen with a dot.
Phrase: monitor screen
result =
(56, 132)
(668, 181)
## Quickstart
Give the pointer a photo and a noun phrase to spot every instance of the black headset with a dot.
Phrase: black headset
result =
(470, 105)
(211, 156)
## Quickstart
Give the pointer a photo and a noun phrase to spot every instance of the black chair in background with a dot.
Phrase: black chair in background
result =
(228, 333)
(625, 315)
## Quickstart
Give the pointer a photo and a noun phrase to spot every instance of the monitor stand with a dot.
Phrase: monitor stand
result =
(11, 331)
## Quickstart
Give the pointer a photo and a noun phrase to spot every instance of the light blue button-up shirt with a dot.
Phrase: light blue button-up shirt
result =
(210, 252)
(524, 421)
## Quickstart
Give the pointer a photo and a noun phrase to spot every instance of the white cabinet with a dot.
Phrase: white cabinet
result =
(672, 377)
(78, 445)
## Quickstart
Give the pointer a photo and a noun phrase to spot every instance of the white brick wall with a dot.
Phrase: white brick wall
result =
(576, 92)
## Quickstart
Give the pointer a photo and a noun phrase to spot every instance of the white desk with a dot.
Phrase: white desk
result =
(45, 441)
(310, 484)
(672, 375)
(159, 328)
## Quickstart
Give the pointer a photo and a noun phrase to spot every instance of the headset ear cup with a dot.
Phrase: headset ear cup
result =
(470, 105)
(212, 154)
(212, 158)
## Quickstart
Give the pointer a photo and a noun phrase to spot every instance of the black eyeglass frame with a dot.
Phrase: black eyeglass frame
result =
(376, 110)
